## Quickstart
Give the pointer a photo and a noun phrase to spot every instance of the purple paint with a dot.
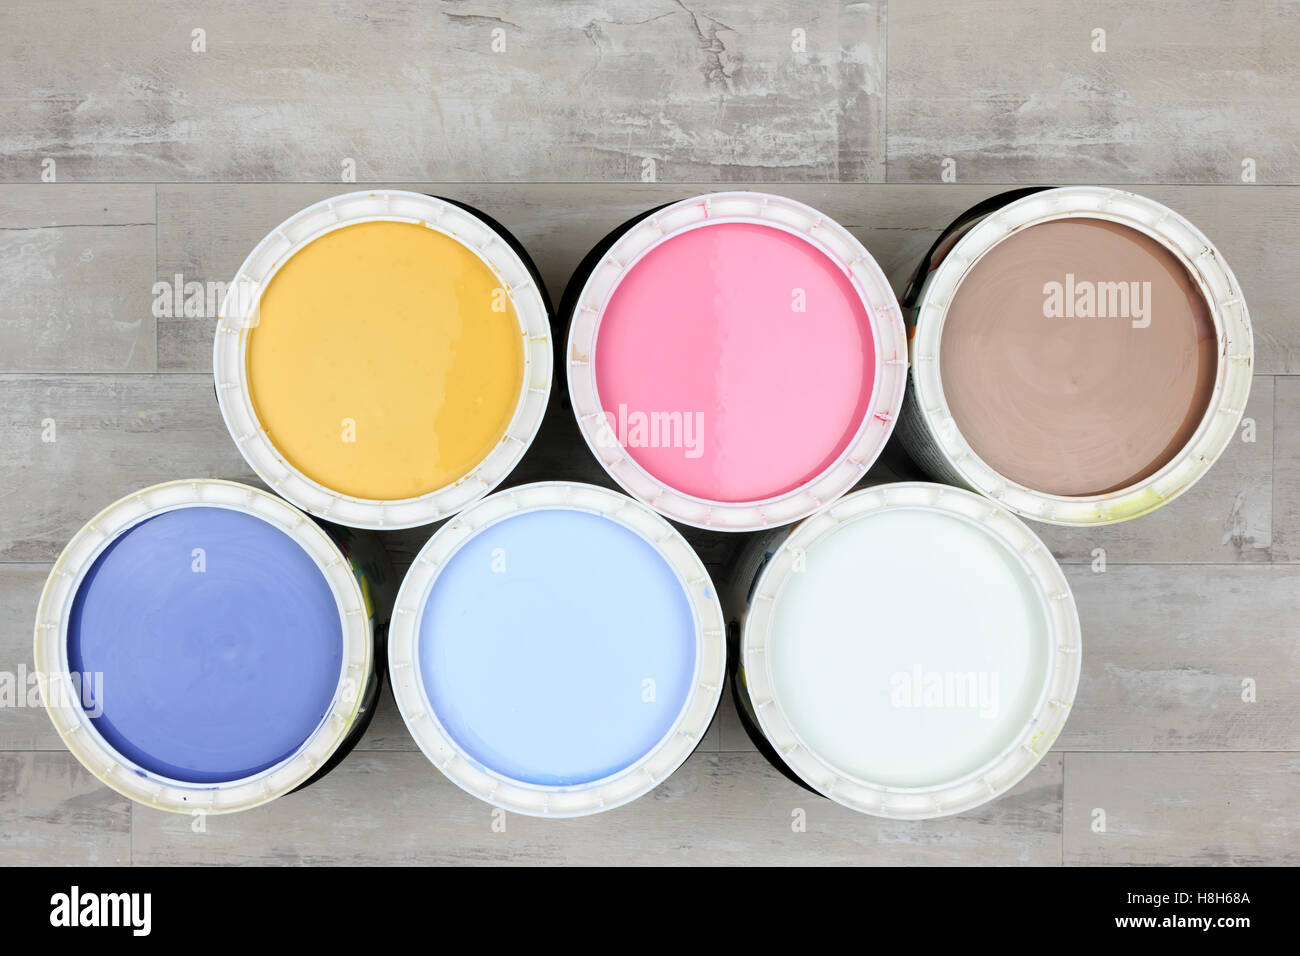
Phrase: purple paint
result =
(219, 641)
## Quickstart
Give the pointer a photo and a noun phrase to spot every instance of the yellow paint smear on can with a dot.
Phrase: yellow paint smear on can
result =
(386, 362)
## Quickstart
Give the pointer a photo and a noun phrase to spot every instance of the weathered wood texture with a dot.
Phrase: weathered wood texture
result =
(562, 121)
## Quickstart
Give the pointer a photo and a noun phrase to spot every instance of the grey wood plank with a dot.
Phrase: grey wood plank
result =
(1167, 652)
(580, 92)
(1224, 517)
(54, 813)
(1257, 228)
(860, 118)
(76, 277)
(717, 809)
(1182, 809)
(1012, 91)
(1286, 470)
(24, 725)
(205, 231)
(113, 434)
(51, 205)
(557, 223)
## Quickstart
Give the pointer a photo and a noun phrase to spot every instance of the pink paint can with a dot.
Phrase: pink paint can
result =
(735, 360)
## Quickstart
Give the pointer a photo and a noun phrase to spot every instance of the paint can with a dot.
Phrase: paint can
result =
(735, 360)
(909, 651)
(383, 359)
(557, 649)
(1081, 355)
(204, 647)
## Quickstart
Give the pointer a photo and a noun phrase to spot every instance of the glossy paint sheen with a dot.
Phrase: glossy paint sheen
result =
(387, 360)
(757, 334)
(557, 647)
(218, 640)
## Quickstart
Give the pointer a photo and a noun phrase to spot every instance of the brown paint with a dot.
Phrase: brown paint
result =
(1077, 406)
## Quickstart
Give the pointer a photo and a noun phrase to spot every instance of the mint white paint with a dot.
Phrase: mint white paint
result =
(911, 650)
(896, 599)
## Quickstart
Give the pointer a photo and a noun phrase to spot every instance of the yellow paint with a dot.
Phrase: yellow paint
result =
(396, 328)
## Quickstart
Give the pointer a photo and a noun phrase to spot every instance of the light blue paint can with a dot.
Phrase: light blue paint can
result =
(557, 649)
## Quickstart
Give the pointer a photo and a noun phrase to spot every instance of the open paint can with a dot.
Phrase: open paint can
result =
(204, 647)
(384, 358)
(735, 360)
(1081, 355)
(557, 649)
(910, 651)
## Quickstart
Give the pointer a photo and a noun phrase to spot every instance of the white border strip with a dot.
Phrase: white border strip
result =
(887, 330)
(534, 799)
(239, 314)
(1231, 321)
(75, 727)
(1020, 755)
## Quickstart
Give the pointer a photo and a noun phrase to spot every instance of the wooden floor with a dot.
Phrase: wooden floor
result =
(171, 162)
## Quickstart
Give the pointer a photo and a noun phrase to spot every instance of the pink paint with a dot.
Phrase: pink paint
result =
(707, 326)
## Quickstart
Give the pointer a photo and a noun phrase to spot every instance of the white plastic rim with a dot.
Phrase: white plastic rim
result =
(540, 800)
(239, 315)
(1222, 296)
(1020, 755)
(71, 720)
(887, 332)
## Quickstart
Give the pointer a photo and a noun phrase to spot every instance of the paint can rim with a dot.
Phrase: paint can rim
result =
(74, 726)
(626, 784)
(839, 246)
(1223, 298)
(1019, 756)
(239, 314)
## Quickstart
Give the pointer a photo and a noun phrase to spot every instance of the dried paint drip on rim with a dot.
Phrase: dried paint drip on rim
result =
(751, 337)
(387, 361)
(1099, 360)
(1079, 357)
(214, 640)
(557, 650)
